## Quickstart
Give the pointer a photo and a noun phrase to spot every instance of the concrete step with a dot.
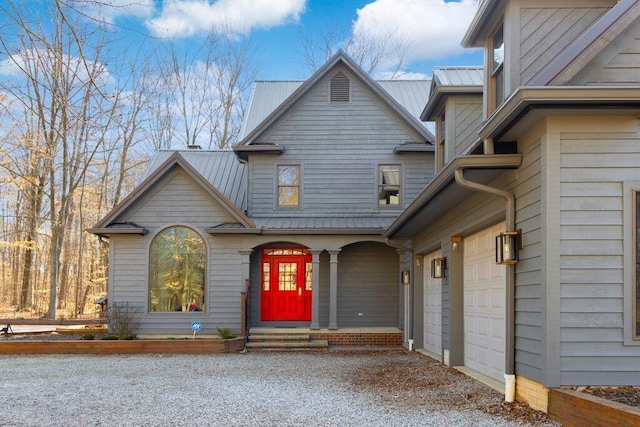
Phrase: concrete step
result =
(287, 345)
(298, 337)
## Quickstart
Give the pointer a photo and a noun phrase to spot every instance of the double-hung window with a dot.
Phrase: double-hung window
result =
(288, 186)
(389, 184)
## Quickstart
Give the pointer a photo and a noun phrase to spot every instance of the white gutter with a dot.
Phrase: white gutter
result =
(510, 214)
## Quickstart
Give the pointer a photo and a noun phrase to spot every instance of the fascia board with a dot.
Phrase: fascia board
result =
(554, 96)
(446, 176)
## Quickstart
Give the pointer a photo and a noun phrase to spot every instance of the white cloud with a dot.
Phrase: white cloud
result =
(432, 28)
(401, 75)
(110, 10)
(182, 18)
(42, 62)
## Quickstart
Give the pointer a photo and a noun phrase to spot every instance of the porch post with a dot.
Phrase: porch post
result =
(245, 295)
(315, 294)
(333, 288)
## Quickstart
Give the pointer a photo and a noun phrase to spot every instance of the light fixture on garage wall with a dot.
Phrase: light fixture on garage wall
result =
(438, 267)
(418, 259)
(508, 244)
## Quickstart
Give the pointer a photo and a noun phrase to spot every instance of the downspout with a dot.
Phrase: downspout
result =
(409, 327)
(510, 214)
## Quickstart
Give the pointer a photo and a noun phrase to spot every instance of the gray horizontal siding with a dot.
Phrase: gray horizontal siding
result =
(178, 200)
(368, 281)
(338, 147)
(594, 164)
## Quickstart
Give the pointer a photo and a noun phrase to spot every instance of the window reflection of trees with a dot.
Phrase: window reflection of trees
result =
(177, 276)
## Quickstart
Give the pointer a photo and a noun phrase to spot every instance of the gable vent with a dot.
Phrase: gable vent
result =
(339, 88)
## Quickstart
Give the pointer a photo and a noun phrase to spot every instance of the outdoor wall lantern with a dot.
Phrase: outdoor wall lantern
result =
(418, 259)
(438, 267)
(507, 245)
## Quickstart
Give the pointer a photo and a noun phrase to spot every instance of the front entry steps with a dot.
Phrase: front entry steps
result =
(283, 340)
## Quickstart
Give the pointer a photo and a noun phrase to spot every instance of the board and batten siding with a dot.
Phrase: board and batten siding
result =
(480, 211)
(598, 155)
(178, 200)
(547, 31)
(338, 146)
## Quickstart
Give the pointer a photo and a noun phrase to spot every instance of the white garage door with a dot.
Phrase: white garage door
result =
(484, 304)
(432, 307)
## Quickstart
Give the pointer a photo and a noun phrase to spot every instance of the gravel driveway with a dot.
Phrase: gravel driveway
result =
(356, 388)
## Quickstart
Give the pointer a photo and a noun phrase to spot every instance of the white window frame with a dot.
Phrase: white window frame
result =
(277, 189)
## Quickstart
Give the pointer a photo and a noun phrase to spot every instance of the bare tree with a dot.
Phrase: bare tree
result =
(200, 94)
(374, 53)
(60, 83)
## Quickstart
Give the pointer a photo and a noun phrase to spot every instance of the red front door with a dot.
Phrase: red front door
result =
(286, 285)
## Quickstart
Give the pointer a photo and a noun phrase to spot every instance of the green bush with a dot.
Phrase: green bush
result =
(226, 333)
(88, 336)
(109, 337)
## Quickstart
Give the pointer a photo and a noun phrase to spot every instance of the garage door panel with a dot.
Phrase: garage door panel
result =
(484, 302)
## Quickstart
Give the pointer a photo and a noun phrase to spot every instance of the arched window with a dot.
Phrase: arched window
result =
(178, 266)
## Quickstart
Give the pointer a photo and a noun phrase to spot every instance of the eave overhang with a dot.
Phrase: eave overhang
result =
(527, 99)
(440, 94)
(243, 151)
(107, 231)
(443, 194)
(489, 12)
(414, 148)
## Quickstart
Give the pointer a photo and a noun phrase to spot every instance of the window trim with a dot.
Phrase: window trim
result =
(492, 93)
(631, 194)
(400, 187)
(207, 269)
(441, 134)
(277, 189)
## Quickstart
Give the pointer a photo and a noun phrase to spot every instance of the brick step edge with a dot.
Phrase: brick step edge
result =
(286, 345)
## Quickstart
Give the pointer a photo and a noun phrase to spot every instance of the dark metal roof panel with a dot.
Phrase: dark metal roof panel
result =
(458, 76)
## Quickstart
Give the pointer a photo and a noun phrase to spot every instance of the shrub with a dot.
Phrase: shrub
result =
(88, 336)
(109, 337)
(226, 333)
(124, 320)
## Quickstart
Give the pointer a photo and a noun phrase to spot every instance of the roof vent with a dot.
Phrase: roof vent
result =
(194, 147)
(339, 88)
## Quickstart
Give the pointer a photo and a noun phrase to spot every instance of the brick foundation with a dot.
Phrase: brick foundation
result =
(379, 339)
(534, 393)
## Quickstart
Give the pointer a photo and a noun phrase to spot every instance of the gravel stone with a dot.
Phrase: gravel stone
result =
(331, 388)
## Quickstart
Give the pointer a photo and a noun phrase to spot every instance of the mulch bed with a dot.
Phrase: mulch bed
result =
(626, 395)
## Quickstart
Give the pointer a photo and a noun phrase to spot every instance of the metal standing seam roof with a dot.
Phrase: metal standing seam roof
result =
(323, 223)
(458, 76)
(221, 168)
(268, 95)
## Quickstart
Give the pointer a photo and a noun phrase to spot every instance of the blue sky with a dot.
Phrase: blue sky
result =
(433, 28)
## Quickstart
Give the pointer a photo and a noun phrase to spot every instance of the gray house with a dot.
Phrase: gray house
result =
(526, 240)
(291, 220)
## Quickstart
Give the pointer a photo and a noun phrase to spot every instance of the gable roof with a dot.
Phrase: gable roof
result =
(110, 225)
(265, 117)
(452, 81)
(600, 35)
(219, 167)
